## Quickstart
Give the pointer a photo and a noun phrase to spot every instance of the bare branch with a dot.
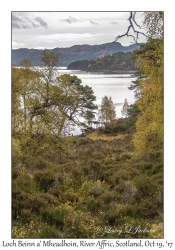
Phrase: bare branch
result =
(132, 21)
(135, 20)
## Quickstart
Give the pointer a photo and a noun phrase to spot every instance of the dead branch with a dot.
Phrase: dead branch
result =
(132, 21)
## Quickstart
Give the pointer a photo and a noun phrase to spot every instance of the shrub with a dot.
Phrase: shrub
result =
(121, 175)
(156, 231)
(35, 229)
(88, 187)
(98, 156)
(33, 203)
(49, 232)
(97, 191)
(36, 202)
(157, 168)
(86, 170)
(107, 197)
(96, 169)
(113, 217)
(47, 198)
(53, 217)
(25, 215)
(158, 178)
(70, 196)
(147, 208)
(81, 225)
(145, 186)
(16, 147)
(129, 192)
(130, 211)
(44, 179)
(23, 181)
(28, 230)
(14, 173)
(40, 164)
(94, 205)
(125, 157)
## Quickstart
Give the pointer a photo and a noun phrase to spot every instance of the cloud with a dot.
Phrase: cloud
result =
(16, 22)
(24, 22)
(41, 21)
(114, 23)
(15, 18)
(70, 20)
(66, 36)
(94, 23)
(16, 45)
(15, 25)
(35, 25)
(65, 29)
(25, 26)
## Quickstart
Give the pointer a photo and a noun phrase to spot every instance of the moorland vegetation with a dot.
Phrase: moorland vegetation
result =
(108, 178)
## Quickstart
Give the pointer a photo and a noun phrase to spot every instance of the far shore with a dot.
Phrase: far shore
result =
(109, 71)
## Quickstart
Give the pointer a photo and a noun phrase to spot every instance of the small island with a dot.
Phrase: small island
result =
(119, 62)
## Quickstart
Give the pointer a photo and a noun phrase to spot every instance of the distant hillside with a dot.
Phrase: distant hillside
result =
(74, 53)
(116, 61)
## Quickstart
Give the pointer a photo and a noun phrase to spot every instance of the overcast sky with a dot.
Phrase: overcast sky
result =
(64, 29)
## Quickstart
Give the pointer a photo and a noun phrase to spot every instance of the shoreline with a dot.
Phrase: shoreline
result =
(109, 71)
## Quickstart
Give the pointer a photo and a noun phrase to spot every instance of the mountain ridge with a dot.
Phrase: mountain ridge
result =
(73, 53)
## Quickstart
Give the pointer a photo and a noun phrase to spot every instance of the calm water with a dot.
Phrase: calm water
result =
(112, 85)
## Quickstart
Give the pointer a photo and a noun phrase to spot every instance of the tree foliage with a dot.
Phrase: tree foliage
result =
(125, 108)
(107, 110)
(45, 106)
(23, 83)
(116, 61)
(76, 99)
(149, 92)
(153, 22)
(148, 86)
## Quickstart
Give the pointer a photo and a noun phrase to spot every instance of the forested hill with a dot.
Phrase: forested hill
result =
(74, 53)
(116, 61)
